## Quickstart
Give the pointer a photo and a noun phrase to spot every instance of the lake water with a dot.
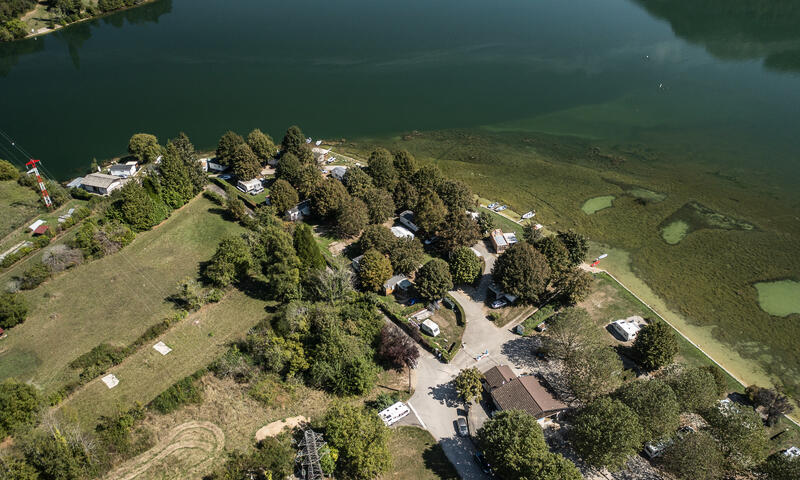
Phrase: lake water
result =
(722, 84)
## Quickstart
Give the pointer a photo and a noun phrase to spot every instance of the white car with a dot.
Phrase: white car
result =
(499, 303)
(501, 208)
(491, 206)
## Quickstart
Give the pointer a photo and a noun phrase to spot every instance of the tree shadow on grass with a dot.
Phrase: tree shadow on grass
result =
(255, 288)
(436, 461)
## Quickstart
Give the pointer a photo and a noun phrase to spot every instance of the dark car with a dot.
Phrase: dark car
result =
(463, 430)
(481, 461)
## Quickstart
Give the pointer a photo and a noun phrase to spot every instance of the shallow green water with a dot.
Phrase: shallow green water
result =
(597, 203)
(779, 298)
(718, 85)
(675, 232)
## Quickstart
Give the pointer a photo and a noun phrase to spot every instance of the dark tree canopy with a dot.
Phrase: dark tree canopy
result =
(433, 280)
(557, 256)
(522, 271)
(778, 467)
(19, 406)
(509, 439)
(606, 433)
(289, 168)
(456, 195)
(262, 145)
(430, 213)
(577, 244)
(144, 147)
(381, 169)
(405, 164)
(458, 230)
(570, 332)
(308, 179)
(695, 456)
(485, 222)
(13, 309)
(374, 269)
(327, 197)
(138, 208)
(361, 439)
(357, 181)
(280, 264)
(230, 262)
(654, 402)
(177, 187)
(8, 171)
(351, 218)
(406, 195)
(244, 162)
(741, 435)
(428, 178)
(378, 237)
(343, 364)
(594, 372)
(283, 196)
(183, 148)
(406, 255)
(307, 249)
(380, 205)
(465, 266)
(575, 286)
(773, 402)
(655, 345)
(694, 388)
(227, 146)
(294, 142)
(398, 349)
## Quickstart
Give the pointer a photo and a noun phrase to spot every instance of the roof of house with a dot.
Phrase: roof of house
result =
(338, 171)
(125, 167)
(528, 394)
(40, 230)
(498, 238)
(33, 226)
(254, 183)
(430, 324)
(394, 281)
(402, 232)
(511, 238)
(498, 376)
(99, 180)
(75, 183)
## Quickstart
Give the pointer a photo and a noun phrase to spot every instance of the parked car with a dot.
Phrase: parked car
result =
(499, 303)
(501, 208)
(463, 430)
(655, 449)
(481, 461)
(225, 177)
(491, 206)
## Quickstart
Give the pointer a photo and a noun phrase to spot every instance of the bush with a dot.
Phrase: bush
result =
(183, 392)
(214, 197)
(19, 406)
(34, 276)
(115, 431)
(265, 390)
(13, 310)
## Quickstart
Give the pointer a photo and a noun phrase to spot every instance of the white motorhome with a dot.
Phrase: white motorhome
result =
(394, 413)
(429, 326)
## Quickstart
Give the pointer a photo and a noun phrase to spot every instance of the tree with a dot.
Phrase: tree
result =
(485, 222)
(308, 178)
(57, 457)
(405, 164)
(378, 237)
(595, 372)
(720, 380)
(271, 459)
(236, 207)
(549, 466)
(577, 244)
(458, 230)
(334, 284)
(289, 168)
(227, 146)
(230, 262)
(531, 234)
(144, 147)
(509, 439)
(694, 389)
(570, 332)
(456, 195)
(428, 178)
(361, 439)
(8, 171)
(406, 255)
(294, 142)
(606, 433)
(15, 469)
(655, 404)
(61, 257)
(522, 271)
(695, 456)
(468, 385)
(307, 249)
(381, 169)
(380, 205)
(465, 266)
(182, 147)
(137, 208)
(351, 218)
(557, 256)
(357, 181)
(430, 213)
(13, 309)
(244, 162)
(343, 364)
(433, 280)
(283, 196)
(655, 345)
(19, 406)
(176, 183)
(740, 434)
(327, 197)
(774, 403)
(280, 264)
(575, 286)
(374, 269)
(406, 196)
(777, 467)
(399, 349)
(262, 145)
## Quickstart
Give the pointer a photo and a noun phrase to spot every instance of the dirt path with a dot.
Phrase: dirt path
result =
(274, 428)
(203, 436)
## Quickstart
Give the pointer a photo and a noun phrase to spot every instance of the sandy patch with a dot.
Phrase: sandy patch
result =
(274, 428)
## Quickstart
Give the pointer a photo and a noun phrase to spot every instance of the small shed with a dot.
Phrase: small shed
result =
(124, 170)
(33, 226)
(430, 327)
(406, 218)
(40, 230)
(338, 172)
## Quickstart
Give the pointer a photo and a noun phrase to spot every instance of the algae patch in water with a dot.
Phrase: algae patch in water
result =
(780, 298)
(597, 203)
(675, 231)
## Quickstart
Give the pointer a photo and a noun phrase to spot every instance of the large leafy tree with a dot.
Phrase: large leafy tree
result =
(458, 230)
(779, 467)
(485, 222)
(594, 372)
(577, 245)
(289, 168)
(351, 218)
(381, 169)
(406, 255)
(456, 195)
(522, 271)
(606, 432)
(378, 237)
(138, 208)
(557, 256)
(405, 164)
(227, 146)
(357, 181)
(570, 332)
(283, 196)
(428, 178)
(549, 466)
(343, 364)
(433, 280)
(13, 309)
(575, 286)
(772, 401)
(294, 142)
(465, 266)
(655, 345)
(380, 205)
(272, 458)
(695, 389)
(328, 197)
(399, 349)
(230, 262)
(654, 402)
(361, 439)
(144, 147)
(406, 196)
(695, 456)
(308, 179)
(741, 435)
(430, 213)
(262, 145)
(244, 162)
(307, 249)
(374, 269)
(19, 406)
(8, 171)
(468, 385)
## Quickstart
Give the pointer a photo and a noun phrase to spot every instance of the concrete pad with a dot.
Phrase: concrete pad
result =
(161, 348)
(110, 380)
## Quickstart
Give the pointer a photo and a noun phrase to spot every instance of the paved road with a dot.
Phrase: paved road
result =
(435, 399)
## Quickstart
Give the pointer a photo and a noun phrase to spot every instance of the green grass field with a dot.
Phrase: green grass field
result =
(19, 204)
(706, 279)
(112, 300)
(417, 455)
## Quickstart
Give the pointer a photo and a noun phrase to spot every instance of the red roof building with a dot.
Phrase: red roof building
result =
(40, 230)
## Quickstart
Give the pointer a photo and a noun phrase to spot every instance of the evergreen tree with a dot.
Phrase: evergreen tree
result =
(405, 164)
(230, 262)
(655, 345)
(294, 142)
(137, 208)
(457, 231)
(176, 183)
(227, 146)
(280, 264)
(307, 249)
(577, 245)
(380, 205)
(433, 280)
(430, 213)
(381, 169)
(244, 162)
(456, 195)
(378, 237)
(184, 149)
(357, 181)
(465, 266)
(262, 145)
(13, 309)
(289, 168)
(283, 196)
(405, 195)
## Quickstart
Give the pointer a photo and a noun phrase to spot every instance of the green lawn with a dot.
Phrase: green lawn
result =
(113, 299)
(417, 455)
(51, 218)
(19, 204)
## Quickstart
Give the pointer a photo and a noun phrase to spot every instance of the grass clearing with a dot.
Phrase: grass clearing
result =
(417, 455)
(675, 232)
(19, 205)
(596, 204)
(113, 299)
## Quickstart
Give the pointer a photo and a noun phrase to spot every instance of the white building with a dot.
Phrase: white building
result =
(124, 170)
(299, 211)
(792, 452)
(252, 187)
(101, 184)
(629, 327)
(402, 232)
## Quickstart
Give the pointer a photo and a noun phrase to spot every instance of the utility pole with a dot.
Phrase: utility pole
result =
(309, 455)
(33, 170)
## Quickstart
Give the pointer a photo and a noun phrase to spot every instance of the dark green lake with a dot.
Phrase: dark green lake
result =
(720, 75)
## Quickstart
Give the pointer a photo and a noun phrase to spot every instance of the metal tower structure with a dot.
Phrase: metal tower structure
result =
(32, 169)
(309, 455)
